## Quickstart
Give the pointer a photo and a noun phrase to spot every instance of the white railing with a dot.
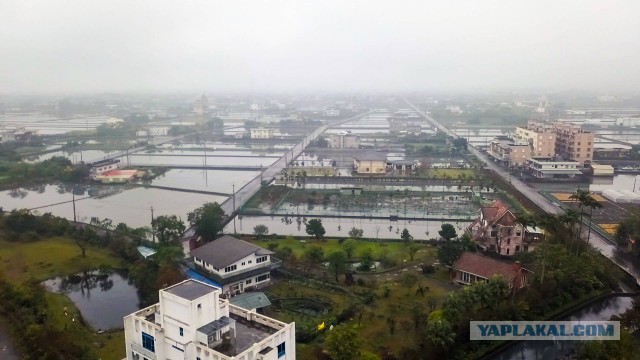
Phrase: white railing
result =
(144, 352)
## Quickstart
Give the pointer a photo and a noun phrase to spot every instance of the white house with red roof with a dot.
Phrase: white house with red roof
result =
(497, 229)
(472, 267)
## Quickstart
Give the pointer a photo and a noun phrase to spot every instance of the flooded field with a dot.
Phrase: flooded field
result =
(205, 180)
(76, 156)
(102, 298)
(167, 160)
(49, 125)
(373, 228)
(118, 203)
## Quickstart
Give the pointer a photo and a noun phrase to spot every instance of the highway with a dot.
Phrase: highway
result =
(603, 245)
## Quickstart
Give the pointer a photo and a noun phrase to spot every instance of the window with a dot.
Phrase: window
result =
(243, 263)
(281, 350)
(230, 268)
(199, 306)
(517, 248)
(250, 261)
(507, 251)
(248, 281)
(261, 259)
(466, 277)
(181, 332)
(148, 342)
(262, 278)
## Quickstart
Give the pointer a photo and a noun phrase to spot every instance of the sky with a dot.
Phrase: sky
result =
(323, 45)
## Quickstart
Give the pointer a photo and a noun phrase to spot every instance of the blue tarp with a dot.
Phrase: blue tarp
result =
(195, 276)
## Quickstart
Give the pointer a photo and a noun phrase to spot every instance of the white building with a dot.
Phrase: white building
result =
(100, 167)
(332, 112)
(262, 133)
(546, 168)
(235, 264)
(344, 140)
(191, 321)
(159, 130)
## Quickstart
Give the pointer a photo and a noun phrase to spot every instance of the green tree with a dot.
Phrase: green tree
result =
(349, 246)
(449, 252)
(447, 231)
(313, 255)
(366, 259)
(412, 249)
(208, 220)
(440, 334)
(337, 262)
(260, 230)
(168, 228)
(406, 236)
(315, 228)
(168, 254)
(356, 233)
(592, 204)
(343, 343)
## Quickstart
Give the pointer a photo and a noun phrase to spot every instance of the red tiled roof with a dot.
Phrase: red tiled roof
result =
(119, 172)
(485, 267)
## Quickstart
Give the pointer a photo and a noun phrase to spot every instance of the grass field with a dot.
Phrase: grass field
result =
(452, 173)
(45, 259)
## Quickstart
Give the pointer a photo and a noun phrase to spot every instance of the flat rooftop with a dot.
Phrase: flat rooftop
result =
(247, 334)
(190, 289)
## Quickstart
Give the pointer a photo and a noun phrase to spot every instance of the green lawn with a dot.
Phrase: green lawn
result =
(48, 258)
(452, 173)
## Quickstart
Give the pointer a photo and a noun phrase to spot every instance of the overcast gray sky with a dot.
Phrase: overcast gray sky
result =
(123, 45)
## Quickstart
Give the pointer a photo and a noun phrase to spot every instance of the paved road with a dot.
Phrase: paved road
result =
(251, 188)
(603, 245)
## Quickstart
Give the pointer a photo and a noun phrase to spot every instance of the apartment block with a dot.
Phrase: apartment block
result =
(509, 152)
(540, 136)
(573, 143)
(193, 322)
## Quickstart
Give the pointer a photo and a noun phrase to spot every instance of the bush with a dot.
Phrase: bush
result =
(29, 236)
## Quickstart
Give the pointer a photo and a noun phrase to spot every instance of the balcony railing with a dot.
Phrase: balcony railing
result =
(144, 352)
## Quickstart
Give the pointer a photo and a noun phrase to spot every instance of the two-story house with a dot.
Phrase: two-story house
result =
(497, 229)
(234, 264)
(192, 321)
(370, 163)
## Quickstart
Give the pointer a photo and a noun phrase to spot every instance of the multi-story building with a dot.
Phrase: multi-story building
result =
(370, 163)
(192, 321)
(540, 136)
(262, 133)
(235, 264)
(332, 112)
(100, 167)
(547, 168)
(497, 229)
(344, 140)
(574, 143)
(509, 152)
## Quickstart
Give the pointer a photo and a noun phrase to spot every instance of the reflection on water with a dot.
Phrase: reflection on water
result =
(118, 203)
(544, 350)
(102, 298)
(205, 180)
(372, 228)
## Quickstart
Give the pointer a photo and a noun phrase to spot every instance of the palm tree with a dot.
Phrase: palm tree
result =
(569, 219)
(592, 204)
(583, 197)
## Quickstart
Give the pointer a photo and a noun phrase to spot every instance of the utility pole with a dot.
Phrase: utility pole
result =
(153, 231)
(234, 207)
(73, 196)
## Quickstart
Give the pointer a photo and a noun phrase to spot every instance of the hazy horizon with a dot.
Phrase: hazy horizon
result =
(288, 46)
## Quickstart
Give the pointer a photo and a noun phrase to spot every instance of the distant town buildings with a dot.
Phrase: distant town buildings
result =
(193, 321)
(332, 112)
(497, 229)
(403, 127)
(202, 105)
(344, 140)
(262, 133)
